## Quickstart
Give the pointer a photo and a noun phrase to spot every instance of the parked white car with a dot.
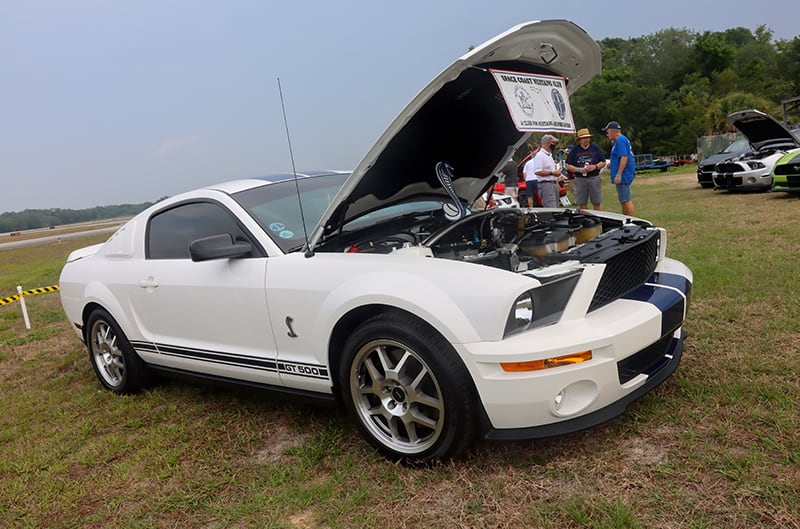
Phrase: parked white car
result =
(501, 200)
(752, 170)
(430, 323)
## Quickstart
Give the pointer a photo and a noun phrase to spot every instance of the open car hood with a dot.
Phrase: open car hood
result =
(462, 119)
(761, 129)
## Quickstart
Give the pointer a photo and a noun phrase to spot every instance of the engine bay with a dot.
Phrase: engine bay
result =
(508, 238)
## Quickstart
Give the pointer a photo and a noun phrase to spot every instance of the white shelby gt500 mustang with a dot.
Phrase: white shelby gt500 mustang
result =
(430, 323)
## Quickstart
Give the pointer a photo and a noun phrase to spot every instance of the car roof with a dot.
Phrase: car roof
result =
(235, 186)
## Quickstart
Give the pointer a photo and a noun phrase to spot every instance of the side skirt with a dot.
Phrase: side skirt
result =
(295, 395)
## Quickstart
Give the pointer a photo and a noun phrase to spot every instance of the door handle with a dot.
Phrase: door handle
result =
(148, 283)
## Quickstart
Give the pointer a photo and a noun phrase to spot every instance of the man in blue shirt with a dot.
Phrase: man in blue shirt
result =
(623, 168)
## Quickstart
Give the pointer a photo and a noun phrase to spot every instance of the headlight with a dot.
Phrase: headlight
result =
(542, 305)
(755, 165)
(521, 315)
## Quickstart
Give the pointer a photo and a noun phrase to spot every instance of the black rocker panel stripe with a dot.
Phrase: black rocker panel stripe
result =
(300, 369)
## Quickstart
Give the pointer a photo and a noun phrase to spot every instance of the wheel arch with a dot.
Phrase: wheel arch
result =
(352, 319)
(98, 296)
(427, 337)
(87, 310)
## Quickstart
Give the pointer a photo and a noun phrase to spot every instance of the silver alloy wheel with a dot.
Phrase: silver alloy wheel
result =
(106, 353)
(397, 396)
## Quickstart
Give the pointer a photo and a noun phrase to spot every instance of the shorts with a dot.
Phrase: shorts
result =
(587, 188)
(532, 190)
(512, 191)
(548, 190)
(624, 192)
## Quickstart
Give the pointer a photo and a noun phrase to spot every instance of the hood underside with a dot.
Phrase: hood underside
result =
(461, 119)
(760, 129)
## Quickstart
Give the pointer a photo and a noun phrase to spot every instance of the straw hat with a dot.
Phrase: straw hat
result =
(583, 133)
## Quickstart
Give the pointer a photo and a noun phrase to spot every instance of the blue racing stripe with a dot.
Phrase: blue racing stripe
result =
(667, 300)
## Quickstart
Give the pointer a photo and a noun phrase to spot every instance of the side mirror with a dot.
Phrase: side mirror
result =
(220, 246)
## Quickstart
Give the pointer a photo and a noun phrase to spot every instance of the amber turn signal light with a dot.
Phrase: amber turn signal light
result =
(536, 365)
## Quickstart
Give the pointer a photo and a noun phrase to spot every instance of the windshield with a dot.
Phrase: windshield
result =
(740, 145)
(276, 207)
(392, 212)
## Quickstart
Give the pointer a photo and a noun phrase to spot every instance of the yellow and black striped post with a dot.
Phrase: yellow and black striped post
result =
(20, 296)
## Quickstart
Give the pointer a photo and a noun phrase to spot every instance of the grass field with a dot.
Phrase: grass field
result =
(715, 446)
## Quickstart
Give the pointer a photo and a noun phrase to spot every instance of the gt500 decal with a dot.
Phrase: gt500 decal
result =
(246, 362)
(303, 370)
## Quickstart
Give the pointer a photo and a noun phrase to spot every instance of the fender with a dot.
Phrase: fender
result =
(100, 294)
(340, 283)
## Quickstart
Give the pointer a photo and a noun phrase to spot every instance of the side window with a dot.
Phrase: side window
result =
(170, 232)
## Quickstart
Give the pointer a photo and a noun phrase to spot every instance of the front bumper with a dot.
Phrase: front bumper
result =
(636, 343)
(743, 180)
(672, 356)
(705, 176)
(786, 184)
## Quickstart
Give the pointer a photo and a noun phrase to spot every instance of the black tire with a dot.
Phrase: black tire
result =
(115, 362)
(407, 389)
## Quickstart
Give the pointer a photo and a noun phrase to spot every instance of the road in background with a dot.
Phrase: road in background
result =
(56, 234)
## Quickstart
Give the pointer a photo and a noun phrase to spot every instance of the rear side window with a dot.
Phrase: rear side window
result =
(170, 232)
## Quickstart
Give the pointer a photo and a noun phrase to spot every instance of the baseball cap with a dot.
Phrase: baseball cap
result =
(611, 125)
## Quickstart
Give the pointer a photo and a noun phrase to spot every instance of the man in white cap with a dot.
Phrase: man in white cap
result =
(544, 167)
(623, 168)
(585, 161)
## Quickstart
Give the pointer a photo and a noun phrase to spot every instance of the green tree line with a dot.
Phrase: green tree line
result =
(41, 218)
(669, 88)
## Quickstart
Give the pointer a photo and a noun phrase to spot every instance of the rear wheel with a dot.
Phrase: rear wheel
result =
(408, 390)
(115, 362)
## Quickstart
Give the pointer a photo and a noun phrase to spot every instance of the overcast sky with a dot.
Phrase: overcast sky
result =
(125, 101)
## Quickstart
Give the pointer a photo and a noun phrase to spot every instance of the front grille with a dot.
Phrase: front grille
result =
(648, 361)
(627, 270)
(791, 167)
(728, 167)
(727, 180)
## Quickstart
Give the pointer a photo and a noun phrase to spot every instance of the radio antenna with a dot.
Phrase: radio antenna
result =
(309, 251)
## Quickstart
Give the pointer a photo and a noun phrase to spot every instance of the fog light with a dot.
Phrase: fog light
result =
(558, 399)
(575, 398)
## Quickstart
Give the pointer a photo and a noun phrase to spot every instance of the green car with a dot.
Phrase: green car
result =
(786, 174)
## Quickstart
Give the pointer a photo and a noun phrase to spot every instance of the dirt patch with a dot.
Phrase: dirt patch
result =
(279, 442)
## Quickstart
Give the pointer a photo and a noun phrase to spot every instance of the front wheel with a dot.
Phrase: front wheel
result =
(408, 390)
(113, 358)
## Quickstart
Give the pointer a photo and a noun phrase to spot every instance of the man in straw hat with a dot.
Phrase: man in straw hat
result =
(585, 161)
